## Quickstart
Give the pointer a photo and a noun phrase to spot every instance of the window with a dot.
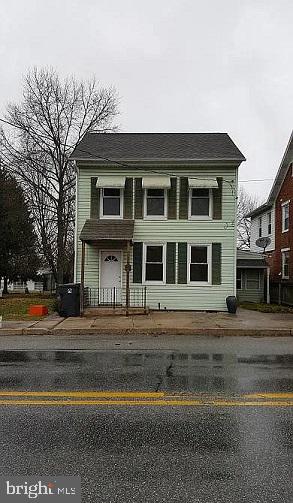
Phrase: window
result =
(200, 203)
(154, 263)
(252, 279)
(260, 227)
(285, 264)
(285, 217)
(155, 203)
(199, 264)
(269, 223)
(239, 279)
(111, 203)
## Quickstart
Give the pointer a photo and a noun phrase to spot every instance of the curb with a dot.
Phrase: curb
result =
(214, 332)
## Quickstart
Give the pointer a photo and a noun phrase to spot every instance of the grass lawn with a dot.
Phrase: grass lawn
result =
(266, 308)
(16, 306)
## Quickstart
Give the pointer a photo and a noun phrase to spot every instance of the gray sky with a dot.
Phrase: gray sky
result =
(178, 65)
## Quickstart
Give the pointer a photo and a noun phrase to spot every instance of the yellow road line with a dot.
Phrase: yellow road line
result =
(270, 395)
(100, 394)
(149, 403)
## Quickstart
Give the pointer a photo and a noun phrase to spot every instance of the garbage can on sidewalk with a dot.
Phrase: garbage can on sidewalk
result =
(68, 298)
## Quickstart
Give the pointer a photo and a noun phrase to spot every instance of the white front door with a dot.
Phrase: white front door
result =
(110, 276)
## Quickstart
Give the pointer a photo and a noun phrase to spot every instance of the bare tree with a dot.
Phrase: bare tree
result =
(46, 126)
(245, 204)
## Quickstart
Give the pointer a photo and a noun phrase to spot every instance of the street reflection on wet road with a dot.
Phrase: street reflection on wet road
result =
(150, 370)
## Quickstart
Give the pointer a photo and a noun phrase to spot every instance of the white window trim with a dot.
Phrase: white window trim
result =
(155, 217)
(286, 203)
(269, 222)
(209, 262)
(144, 249)
(201, 217)
(284, 250)
(111, 217)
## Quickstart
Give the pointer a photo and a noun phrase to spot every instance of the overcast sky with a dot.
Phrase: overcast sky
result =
(178, 65)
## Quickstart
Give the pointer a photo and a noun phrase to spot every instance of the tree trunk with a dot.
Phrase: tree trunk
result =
(5, 286)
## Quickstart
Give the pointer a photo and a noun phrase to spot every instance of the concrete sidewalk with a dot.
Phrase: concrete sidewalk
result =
(245, 322)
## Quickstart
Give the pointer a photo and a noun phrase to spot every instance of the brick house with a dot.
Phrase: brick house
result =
(275, 220)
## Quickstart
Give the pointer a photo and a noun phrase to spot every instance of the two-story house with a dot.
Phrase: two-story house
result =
(155, 219)
(274, 220)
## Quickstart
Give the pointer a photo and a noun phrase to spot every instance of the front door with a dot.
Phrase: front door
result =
(110, 277)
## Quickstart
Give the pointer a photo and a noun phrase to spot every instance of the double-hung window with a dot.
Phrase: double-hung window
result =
(154, 263)
(200, 203)
(285, 264)
(285, 216)
(111, 203)
(155, 203)
(269, 223)
(199, 264)
(252, 279)
(260, 227)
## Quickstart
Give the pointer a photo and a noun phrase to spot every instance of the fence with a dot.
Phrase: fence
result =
(115, 297)
(282, 293)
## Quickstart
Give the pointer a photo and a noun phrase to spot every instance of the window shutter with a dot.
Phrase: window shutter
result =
(95, 199)
(138, 198)
(170, 263)
(216, 263)
(128, 198)
(217, 200)
(182, 263)
(172, 200)
(183, 201)
(137, 262)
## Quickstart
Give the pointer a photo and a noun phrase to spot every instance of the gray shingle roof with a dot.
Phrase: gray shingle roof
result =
(157, 146)
(97, 230)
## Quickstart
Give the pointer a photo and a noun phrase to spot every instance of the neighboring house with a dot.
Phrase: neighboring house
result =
(157, 212)
(280, 206)
(251, 276)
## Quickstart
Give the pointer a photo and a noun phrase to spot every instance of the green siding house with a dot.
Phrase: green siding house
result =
(155, 219)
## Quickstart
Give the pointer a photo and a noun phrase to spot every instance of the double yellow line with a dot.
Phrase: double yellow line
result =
(141, 398)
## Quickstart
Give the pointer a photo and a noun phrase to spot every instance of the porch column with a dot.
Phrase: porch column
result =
(82, 278)
(127, 269)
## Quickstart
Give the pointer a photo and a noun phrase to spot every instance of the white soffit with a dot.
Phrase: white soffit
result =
(110, 182)
(156, 182)
(202, 183)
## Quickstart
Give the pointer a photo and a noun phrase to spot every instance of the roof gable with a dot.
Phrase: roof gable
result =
(157, 147)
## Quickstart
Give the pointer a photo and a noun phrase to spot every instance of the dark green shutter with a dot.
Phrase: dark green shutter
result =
(170, 262)
(182, 263)
(183, 200)
(138, 210)
(172, 200)
(128, 198)
(216, 263)
(137, 262)
(95, 199)
(217, 200)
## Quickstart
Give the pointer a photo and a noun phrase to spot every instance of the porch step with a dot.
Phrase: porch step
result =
(93, 312)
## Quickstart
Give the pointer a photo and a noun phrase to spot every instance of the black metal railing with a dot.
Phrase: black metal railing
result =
(115, 297)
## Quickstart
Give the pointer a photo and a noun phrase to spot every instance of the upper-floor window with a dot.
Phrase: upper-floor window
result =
(200, 203)
(199, 264)
(285, 216)
(155, 203)
(260, 227)
(285, 264)
(269, 223)
(111, 203)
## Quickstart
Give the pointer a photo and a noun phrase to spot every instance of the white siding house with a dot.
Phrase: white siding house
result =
(262, 225)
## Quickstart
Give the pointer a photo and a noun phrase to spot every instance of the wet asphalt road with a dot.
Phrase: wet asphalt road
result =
(204, 453)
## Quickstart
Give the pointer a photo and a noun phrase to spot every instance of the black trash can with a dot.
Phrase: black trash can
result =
(68, 299)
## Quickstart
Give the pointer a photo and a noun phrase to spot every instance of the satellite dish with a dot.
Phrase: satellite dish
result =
(263, 242)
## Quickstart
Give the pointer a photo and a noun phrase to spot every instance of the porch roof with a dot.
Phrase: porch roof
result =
(102, 230)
